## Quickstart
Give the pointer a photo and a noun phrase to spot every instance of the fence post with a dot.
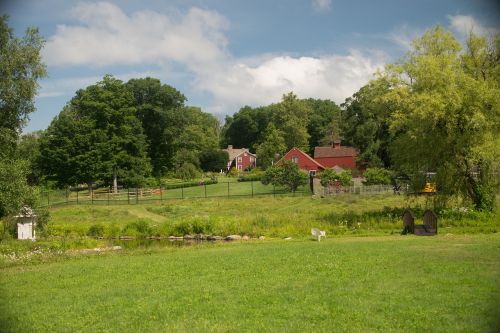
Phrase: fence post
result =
(128, 195)
(182, 191)
(77, 196)
(136, 195)
(161, 194)
(228, 189)
(67, 197)
(251, 183)
(274, 191)
(108, 196)
(48, 198)
(92, 195)
(205, 184)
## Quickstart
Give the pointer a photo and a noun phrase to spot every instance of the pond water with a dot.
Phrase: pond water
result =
(157, 243)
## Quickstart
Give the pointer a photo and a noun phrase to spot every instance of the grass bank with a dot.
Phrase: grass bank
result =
(393, 283)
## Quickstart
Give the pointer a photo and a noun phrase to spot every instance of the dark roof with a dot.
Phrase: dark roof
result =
(320, 152)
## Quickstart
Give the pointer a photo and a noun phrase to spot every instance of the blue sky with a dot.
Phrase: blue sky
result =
(224, 54)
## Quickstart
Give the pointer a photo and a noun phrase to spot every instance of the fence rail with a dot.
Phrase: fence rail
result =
(131, 196)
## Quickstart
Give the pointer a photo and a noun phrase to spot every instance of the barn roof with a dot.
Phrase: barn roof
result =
(320, 152)
(306, 155)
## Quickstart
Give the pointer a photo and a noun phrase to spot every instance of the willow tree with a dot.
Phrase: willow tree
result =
(446, 114)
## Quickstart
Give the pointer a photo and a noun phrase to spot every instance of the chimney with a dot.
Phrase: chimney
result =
(336, 144)
(229, 147)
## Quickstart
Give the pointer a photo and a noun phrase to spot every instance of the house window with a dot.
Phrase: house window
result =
(312, 173)
(239, 159)
(295, 159)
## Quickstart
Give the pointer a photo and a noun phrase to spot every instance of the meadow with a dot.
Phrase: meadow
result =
(390, 283)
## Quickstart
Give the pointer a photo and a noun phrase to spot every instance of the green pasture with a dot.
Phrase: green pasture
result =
(393, 283)
(264, 216)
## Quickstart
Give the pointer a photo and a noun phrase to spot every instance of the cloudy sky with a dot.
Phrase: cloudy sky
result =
(224, 54)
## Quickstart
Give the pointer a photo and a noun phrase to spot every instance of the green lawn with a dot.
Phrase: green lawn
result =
(393, 283)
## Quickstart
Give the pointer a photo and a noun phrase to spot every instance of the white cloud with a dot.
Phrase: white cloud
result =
(108, 36)
(404, 35)
(328, 77)
(195, 40)
(322, 5)
(464, 24)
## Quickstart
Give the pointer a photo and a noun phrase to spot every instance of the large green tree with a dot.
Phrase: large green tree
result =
(156, 104)
(447, 113)
(292, 117)
(97, 138)
(365, 124)
(20, 69)
(272, 148)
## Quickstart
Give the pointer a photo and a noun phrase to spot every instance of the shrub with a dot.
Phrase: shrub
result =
(139, 229)
(96, 230)
(329, 176)
(377, 176)
(193, 226)
(286, 174)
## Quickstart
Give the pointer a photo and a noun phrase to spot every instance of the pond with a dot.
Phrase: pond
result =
(157, 243)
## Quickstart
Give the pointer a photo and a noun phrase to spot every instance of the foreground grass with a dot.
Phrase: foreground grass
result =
(396, 283)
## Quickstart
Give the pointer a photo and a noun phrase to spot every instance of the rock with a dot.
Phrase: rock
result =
(245, 238)
(172, 238)
(287, 238)
(200, 237)
(126, 238)
(262, 237)
(188, 237)
(233, 237)
(214, 238)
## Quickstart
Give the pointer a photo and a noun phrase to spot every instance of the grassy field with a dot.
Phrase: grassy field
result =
(392, 283)
(271, 217)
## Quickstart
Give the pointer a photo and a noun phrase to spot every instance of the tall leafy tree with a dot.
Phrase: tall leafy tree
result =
(20, 69)
(97, 137)
(365, 124)
(292, 116)
(324, 122)
(447, 114)
(155, 104)
(272, 146)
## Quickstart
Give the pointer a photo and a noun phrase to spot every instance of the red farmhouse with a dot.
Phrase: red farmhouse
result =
(344, 157)
(241, 159)
(304, 161)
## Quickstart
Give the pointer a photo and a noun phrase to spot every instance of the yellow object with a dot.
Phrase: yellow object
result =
(429, 188)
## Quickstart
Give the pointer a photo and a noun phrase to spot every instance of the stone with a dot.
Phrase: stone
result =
(214, 238)
(245, 238)
(262, 237)
(172, 238)
(287, 238)
(188, 237)
(233, 237)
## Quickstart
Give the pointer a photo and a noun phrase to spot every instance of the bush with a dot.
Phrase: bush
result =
(96, 230)
(286, 174)
(139, 229)
(187, 171)
(193, 226)
(377, 176)
(328, 176)
(190, 184)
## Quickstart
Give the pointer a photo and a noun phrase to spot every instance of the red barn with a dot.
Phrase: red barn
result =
(304, 161)
(241, 159)
(344, 157)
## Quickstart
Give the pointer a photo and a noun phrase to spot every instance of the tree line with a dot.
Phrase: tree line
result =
(438, 109)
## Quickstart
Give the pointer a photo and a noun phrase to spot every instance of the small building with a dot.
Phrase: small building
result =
(304, 161)
(344, 157)
(240, 158)
(26, 223)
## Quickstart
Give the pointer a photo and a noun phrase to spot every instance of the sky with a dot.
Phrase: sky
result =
(225, 54)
